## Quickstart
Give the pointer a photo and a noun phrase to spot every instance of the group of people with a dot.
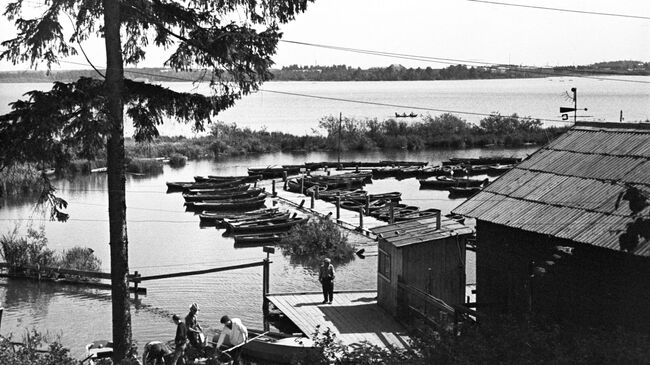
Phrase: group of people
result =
(189, 332)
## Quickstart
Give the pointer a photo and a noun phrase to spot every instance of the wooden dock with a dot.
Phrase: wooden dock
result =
(347, 218)
(353, 316)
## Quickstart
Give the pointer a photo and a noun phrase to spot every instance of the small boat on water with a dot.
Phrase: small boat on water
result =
(216, 178)
(419, 214)
(446, 182)
(232, 224)
(227, 190)
(258, 238)
(271, 172)
(226, 196)
(463, 192)
(98, 350)
(180, 185)
(216, 218)
(268, 226)
(492, 160)
(498, 169)
(231, 204)
(277, 348)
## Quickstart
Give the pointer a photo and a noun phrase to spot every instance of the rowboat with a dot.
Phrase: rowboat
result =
(232, 224)
(445, 182)
(226, 196)
(499, 169)
(258, 238)
(492, 160)
(216, 178)
(268, 226)
(384, 215)
(98, 350)
(426, 213)
(180, 185)
(270, 172)
(215, 218)
(231, 189)
(231, 204)
(459, 191)
(277, 348)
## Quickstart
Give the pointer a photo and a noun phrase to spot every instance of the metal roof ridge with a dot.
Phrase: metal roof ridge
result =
(642, 127)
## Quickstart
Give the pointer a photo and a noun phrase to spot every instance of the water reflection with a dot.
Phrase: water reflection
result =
(163, 238)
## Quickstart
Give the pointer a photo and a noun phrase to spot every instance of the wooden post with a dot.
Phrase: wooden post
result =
(265, 286)
(273, 192)
(284, 175)
(302, 184)
(360, 218)
(328, 172)
(356, 168)
(338, 206)
(286, 185)
(255, 183)
(367, 204)
(136, 283)
(391, 213)
(1, 310)
(313, 197)
(317, 192)
(302, 202)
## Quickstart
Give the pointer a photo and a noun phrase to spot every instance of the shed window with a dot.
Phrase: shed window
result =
(384, 264)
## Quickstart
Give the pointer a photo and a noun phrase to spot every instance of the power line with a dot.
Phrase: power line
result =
(360, 101)
(453, 61)
(562, 9)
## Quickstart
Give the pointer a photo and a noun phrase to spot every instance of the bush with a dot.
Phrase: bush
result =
(27, 354)
(32, 250)
(144, 166)
(309, 243)
(29, 250)
(177, 160)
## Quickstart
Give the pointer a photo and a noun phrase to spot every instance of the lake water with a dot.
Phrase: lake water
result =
(539, 98)
(164, 238)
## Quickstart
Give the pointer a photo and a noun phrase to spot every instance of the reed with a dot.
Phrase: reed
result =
(177, 160)
(144, 166)
(20, 180)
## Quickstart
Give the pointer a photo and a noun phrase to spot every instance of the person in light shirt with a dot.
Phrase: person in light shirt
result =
(237, 335)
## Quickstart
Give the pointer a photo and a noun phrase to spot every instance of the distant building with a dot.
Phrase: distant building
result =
(421, 268)
(549, 231)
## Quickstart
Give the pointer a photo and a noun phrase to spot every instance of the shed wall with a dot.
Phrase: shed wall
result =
(591, 286)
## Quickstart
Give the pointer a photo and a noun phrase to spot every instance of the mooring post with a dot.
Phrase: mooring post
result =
(136, 283)
(284, 175)
(356, 168)
(313, 198)
(391, 213)
(1, 310)
(265, 286)
(285, 185)
(255, 183)
(338, 206)
(317, 191)
(367, 204)
(360, 218)
(273, 193)
(302, 184)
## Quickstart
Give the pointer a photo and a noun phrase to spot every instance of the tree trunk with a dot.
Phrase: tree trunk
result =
(116, 183)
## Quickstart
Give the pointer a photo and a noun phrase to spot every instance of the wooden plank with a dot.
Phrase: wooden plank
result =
(200, 272)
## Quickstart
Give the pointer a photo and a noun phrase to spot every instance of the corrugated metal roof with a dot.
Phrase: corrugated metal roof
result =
(572, 188)
(420, 230)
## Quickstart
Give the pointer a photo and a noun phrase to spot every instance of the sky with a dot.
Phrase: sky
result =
(454, 29)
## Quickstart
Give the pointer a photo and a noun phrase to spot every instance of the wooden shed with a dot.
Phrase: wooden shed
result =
(565, 233)
(421, 264)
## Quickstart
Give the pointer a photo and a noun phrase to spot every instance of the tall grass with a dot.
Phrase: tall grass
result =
(31, 250)
(20, 180)
(144, 166)
(177, 160)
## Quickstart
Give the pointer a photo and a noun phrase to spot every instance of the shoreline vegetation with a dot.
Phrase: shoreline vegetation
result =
(425, 133)
(393, 72)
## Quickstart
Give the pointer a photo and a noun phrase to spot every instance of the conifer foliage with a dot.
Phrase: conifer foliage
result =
(231, 41)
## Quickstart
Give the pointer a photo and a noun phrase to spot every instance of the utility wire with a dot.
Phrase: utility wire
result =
(562, 9)
(452, 61)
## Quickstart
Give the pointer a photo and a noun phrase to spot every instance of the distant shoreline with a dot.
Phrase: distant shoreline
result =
(347, 73)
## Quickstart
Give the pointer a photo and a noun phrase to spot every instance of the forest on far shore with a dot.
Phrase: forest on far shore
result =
(393, 72)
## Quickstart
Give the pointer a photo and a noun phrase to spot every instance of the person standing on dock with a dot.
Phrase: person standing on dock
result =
(326, 278)
(237, 335)
(195, 332)
(180, 341)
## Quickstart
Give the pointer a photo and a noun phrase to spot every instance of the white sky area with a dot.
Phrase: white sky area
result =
(457, 29)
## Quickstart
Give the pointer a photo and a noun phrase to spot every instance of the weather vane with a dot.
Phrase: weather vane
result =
(564, 110)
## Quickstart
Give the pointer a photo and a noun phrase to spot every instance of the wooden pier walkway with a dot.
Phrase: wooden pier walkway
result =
(353, 316)
(348, 219)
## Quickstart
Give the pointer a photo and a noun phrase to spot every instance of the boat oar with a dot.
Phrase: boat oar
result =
(243, 343)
